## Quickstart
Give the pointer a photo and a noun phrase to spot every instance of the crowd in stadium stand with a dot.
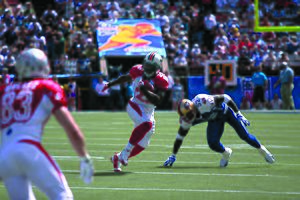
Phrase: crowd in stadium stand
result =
(193, 31)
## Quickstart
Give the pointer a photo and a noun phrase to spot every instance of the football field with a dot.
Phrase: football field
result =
(195, 174)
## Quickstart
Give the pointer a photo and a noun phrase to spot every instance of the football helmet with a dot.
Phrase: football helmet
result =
(186, 108)
(152, 64)
(32, 63)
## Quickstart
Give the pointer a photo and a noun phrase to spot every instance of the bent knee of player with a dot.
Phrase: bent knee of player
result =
(213, 144)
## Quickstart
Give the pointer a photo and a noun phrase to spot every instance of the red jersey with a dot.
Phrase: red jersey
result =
(160, 81)
(26, 107)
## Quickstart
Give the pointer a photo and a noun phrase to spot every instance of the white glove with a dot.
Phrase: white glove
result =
(170, 161)
(86, 169)
(243, 119)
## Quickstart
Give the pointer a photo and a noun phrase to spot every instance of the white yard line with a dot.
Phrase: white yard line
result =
(106, 159)
(181, 190)
(196, 146)
(190, 174)
(187, 190)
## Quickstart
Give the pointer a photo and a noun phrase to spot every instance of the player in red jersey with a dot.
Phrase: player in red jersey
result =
(26, 106)
(149, 85)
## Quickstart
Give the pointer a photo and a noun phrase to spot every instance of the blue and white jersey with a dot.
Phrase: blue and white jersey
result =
(207, 108)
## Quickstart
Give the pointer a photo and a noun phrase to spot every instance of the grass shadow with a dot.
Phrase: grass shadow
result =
(111, 173)
(189, 167)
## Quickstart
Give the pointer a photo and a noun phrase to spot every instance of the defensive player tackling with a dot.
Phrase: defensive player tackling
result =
(216, 110)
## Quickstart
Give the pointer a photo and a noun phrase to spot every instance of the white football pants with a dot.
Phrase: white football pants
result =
(26, 162)
(139, 114)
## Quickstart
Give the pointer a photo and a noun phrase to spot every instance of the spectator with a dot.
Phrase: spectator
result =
(92, 53)
(217, 84)
(269, 62)
(245, 42)
(180, 61)
(59, 45)
(1, 62)
(209, 27)
(276, 103)
(83, 63)
(244, 63)
(102, 95)
(177, 93)
(29, 10)
(258, 58)
(260, 83)
(49, 16)
(10, 35)
(10, 63)
(292, 45)
(195, 51)
(71, 94)
(5, 77)
(90, 11)
(286, 78)
(245, 104)
(116, 99)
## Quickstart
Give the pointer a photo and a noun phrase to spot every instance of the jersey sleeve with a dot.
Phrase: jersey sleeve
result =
(136, 71)
(56, 95)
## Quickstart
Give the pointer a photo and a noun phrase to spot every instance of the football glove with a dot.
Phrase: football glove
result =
(170, 161)
(86, 169)
(243, 119)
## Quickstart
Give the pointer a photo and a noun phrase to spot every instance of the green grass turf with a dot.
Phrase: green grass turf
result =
(195, 175)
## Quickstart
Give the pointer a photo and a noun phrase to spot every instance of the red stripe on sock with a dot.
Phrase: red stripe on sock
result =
(139, 132)
(136, 150)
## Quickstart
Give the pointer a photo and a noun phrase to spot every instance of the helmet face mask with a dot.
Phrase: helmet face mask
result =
(149, 70)
(152, 64)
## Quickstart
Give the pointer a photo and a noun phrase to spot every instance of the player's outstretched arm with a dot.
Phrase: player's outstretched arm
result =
(76, 137)
(118, 81)
(227, 99)
(177, 144)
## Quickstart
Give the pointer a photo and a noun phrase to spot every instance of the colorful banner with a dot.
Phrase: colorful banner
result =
(129, 37)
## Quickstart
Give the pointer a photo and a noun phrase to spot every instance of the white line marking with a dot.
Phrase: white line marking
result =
(75, 158)
(164, 152)
(187, 190)
(182, 190)
(99, 159)
(192, 174)
(196, 146)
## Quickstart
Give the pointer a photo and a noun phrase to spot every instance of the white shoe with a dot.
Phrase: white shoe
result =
(226, 155)
(267, 155)
(116, 162)
(123, 157)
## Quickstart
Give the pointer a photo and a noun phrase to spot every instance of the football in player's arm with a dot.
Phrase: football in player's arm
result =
(216, 110)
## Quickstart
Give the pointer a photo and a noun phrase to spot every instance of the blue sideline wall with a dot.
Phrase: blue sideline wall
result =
(243, 88)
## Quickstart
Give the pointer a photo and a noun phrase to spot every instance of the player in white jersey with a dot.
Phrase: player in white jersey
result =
(216, 110)
(149, 85)
(26, 106)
